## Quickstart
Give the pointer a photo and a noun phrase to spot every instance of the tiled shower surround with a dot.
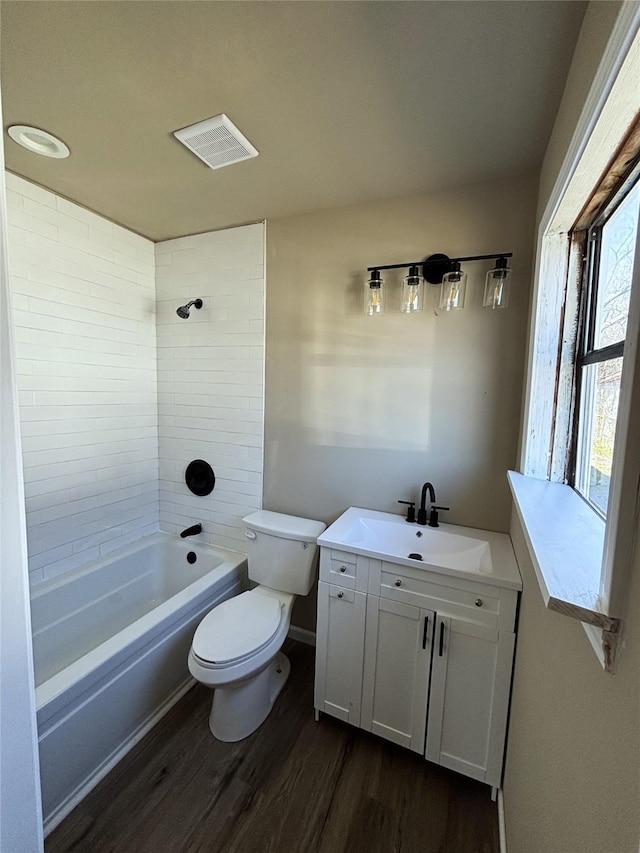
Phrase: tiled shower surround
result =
(210, 369)
(100, 392)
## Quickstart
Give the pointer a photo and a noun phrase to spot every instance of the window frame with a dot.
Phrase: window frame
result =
(586, 353)
(582, 564)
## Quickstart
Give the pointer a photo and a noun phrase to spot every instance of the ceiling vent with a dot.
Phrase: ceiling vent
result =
(217, 142)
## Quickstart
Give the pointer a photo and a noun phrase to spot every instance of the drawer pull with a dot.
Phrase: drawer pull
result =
(344, 569)
(441, 639)
(340, 594)
(398, 583)
(479, 602)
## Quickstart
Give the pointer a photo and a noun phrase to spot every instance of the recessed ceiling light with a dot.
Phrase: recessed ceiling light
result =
(38, 141)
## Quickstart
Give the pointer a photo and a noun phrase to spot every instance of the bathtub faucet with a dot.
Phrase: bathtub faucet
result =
(191, 531)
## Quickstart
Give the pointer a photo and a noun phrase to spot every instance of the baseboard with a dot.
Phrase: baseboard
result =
(303, 635)
(59, 814)
(502, 828)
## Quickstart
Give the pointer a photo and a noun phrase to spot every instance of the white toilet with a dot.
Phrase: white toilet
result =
(236, 647)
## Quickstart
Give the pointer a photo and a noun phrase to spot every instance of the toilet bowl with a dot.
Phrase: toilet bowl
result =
(236, 650)
(236, 647)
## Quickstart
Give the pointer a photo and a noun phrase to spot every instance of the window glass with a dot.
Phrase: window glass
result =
(600, 395)
(613, 246)
(617, 251)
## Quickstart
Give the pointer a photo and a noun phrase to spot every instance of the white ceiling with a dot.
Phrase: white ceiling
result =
(346, 101)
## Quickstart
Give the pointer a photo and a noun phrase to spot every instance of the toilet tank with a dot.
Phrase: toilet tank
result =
(282, 550)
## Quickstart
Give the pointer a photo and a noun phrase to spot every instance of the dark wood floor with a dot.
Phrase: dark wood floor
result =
(294, 785)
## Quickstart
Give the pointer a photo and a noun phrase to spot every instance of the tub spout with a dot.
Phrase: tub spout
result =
(191, 531)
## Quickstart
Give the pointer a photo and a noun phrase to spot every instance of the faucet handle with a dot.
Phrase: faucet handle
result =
(433, 515)
(411, 510)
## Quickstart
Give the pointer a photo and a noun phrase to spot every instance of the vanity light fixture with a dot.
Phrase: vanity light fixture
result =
(38, 141)
(445, 271)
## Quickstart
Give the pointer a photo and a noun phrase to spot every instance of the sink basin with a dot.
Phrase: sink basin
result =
(434, 546)
(449, 549)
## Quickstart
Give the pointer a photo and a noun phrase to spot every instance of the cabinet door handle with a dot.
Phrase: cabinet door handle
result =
(441, 639)
(343, 568)
(424, 633)
(340, 594)
(398, 583)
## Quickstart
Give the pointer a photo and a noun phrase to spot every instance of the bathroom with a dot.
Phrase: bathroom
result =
(357, 411)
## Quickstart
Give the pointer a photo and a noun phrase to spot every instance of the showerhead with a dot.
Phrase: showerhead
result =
(183, 310)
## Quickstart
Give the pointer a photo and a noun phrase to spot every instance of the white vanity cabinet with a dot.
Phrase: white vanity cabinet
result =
(420, 658)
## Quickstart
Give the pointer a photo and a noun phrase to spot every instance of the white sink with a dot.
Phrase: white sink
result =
(435, 546)
(447, 549)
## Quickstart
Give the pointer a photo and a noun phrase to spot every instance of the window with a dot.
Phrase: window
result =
(604, 314)
(580, 450)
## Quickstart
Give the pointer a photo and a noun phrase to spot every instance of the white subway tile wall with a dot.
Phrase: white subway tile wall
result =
(210, 378)
(110, 379)
(83, 292)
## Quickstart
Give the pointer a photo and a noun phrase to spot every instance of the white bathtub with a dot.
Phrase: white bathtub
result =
(110, 650)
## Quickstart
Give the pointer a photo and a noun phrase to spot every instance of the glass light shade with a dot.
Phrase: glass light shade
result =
(453, 289)
(497, 286)
(412, 291)
(374, 295)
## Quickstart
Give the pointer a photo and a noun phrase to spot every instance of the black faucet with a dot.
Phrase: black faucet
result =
(422, 512)
(191, 531)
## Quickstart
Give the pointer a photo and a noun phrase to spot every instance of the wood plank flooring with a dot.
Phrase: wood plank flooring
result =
(294, 785)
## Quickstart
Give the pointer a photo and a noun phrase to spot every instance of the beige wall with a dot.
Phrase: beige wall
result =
(361, 410)
(598, 22)
(573, 760)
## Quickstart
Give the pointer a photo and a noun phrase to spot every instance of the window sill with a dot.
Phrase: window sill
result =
(565, 539)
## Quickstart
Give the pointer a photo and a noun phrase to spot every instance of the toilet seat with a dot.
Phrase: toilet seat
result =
(235, 630)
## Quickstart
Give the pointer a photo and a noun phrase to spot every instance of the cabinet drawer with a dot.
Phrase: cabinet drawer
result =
(338, 567)
(477, 602)
(348, 595)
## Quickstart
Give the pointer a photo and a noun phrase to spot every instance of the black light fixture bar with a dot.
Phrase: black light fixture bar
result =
(439, 260)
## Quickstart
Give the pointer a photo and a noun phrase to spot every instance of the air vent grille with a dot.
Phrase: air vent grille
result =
(217, 142)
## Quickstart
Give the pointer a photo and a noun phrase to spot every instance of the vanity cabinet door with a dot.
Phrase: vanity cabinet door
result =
(396, 671)
(468, 704)
(339, 651)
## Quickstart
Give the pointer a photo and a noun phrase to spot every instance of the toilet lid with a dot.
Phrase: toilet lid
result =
(236, 628)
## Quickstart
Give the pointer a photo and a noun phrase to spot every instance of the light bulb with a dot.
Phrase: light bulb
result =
(497, 286)
(495, 294)
(453, 289)
(412, 291)
(374, 295)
